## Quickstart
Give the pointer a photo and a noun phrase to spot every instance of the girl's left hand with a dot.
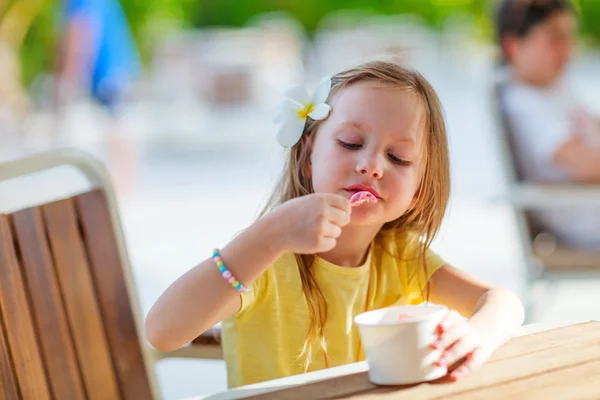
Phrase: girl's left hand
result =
(461, 344)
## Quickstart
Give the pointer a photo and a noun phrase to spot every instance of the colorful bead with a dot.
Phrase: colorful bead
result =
(227, 275)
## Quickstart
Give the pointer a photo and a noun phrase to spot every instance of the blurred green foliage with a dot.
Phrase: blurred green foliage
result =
(590, 19)
(433, 12)
(310, 12)
(151, 19)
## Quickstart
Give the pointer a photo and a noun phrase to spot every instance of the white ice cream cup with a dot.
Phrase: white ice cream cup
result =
(397, 340)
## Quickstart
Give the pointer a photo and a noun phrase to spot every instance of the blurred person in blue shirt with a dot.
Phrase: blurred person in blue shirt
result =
(99, 59)
(99, 55)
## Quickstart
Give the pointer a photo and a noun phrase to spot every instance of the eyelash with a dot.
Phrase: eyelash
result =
(356, 146)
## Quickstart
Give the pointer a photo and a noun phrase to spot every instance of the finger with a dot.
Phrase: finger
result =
(332, 230)
(451, 318)
(457, 351)
(473, 361)
(325, 244)
(338, 201)
(337, 216)
(450, 335)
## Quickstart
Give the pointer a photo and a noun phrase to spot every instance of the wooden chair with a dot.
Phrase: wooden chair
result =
(548, 260)
(70, 325)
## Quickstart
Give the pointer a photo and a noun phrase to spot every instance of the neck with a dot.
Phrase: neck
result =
(352, 246)
(533, 80)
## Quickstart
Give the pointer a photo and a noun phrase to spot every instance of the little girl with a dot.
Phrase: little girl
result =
(312, 262)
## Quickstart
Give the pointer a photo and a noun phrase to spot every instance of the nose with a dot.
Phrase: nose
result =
(371, 166)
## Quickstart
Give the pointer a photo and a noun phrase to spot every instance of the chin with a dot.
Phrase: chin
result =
(361, 217)
(555, 76)
(365, 220)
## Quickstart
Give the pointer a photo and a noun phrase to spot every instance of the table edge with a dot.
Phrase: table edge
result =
(361, 366)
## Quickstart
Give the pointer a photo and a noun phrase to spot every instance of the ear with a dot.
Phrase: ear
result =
(508, 45)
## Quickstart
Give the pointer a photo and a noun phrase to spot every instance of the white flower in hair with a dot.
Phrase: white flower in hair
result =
(296, 106)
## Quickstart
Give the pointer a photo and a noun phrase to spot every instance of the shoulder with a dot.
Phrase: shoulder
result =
(73, 7)
(405, 258)
(519, 98)
(409, 248)
(282, 275)
(276, 278)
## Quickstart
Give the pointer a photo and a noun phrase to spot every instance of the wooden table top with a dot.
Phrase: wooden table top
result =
(562, 363)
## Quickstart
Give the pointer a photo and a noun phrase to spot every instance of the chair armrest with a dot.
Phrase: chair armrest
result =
(190, 351)
(210, 337)
(538, 196)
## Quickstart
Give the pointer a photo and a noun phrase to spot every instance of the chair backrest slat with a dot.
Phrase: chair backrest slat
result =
(74, 276)
(111, 286)
(46, 299)
(18, 325)
(8, 384)
(69, 315)
(508, 149)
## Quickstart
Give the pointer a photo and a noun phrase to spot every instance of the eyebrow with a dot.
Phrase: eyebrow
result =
(352, 124)
(361, 126)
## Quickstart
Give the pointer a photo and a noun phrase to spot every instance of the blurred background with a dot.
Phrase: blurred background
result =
(188, 137)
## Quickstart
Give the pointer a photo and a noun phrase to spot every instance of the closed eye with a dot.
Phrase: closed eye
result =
(351, 146)
(399, 161)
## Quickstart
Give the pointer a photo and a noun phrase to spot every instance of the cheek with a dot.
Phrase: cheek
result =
(562, 53)
(404, 188)
(316, 174)
(534, 53)
(325, 170)
(334, 158)
(536, 57)
(549, 54)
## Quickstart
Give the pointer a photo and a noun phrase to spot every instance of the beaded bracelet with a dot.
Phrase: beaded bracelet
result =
(227, 275)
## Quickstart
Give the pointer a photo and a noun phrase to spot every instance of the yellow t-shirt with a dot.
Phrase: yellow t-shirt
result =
(264, 338)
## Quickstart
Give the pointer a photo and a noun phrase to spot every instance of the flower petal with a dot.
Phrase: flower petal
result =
(322, 91)
(298, 94)
(320, 112)
(287, 109)
(290, 132)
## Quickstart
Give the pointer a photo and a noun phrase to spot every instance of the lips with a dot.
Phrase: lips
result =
(362, 188)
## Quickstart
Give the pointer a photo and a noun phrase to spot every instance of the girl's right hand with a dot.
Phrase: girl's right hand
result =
(312, 223)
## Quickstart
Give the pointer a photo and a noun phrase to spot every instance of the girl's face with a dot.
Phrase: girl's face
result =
(372, 141)
(542, 55)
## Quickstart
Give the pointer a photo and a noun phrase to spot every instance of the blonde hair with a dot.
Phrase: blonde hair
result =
(423, 219)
